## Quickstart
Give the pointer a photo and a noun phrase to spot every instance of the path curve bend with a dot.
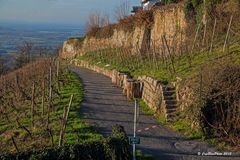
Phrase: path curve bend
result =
(104, 105)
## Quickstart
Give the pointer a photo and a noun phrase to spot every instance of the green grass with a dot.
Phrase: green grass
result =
(181, 125)
(185, 66)
(145, 109)
(77, 130)
(145, 156)
(148, 111)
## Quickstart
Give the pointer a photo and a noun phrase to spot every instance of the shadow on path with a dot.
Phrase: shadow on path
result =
(104, 106)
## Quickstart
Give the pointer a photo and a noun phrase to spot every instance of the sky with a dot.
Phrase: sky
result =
(56, 11)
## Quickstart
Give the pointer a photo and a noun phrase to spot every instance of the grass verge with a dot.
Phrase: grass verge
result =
(40, 137)
(145, 156)
(185, 65)
(183, 126)
(77, 130)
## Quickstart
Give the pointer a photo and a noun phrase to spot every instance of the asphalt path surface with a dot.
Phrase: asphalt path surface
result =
(104, 105)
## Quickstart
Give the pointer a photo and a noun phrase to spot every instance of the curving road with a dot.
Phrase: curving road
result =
(104, 106)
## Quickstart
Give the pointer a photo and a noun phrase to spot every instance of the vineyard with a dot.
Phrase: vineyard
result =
(215, 88)
(115, 146)
(39, 107)
(213, 39)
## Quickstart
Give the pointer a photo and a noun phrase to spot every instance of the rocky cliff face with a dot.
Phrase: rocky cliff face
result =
(120, 38)
(169, 22)
(169, 25)
(71, 48)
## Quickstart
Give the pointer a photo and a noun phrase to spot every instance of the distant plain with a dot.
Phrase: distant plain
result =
(48, 36)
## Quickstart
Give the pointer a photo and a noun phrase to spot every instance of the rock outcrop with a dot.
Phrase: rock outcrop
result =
(71, 48)
(168, 25)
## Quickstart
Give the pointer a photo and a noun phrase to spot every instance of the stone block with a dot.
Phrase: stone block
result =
(129, 88)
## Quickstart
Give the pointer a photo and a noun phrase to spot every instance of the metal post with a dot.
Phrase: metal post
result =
(134, 129)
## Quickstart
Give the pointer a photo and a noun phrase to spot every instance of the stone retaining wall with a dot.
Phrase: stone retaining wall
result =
(151, 91)
(95, 68)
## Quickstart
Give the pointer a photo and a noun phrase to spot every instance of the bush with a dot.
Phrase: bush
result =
(104, 32)
(203, 15)
(111, 148)
(126, 24)
(213, 8)
(194, 9)
(171, 1)
(76, 41)
(220, 100)
(121, 150)
(189, 9)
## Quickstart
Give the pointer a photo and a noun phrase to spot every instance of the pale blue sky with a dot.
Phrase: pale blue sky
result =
(55, 11)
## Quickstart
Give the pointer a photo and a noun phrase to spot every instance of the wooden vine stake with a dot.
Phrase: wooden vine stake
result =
(169, 53)
(195, 38)
(43, 97)
(204, 20)
(227, 35)
(58, 86)
(64, 121)
(14, 143)
(49, 130)
(33, 104)
(17, 86)
(49, 95)
(23, 127)
(213, 34)
(204, 33)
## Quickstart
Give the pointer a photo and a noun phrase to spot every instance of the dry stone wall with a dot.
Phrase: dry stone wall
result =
(153, 92)
(95, 68)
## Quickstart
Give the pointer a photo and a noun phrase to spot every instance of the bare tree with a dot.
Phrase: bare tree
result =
(105, 20)
(5, 64)
(1, 65)
(96, 20)
(41, 51)
(122, 10)
(24, 54)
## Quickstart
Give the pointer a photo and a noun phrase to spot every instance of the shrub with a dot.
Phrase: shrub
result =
(126, 24)
(115, 148)
(194, 9)
(189, 9)
(171, 1)
(104, 32)
(121, 148)
(214, 8)
(76, 38)
(76, 41)
(220, 100)
(218, 107)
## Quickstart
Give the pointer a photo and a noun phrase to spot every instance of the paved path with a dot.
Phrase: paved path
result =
(105, 106)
